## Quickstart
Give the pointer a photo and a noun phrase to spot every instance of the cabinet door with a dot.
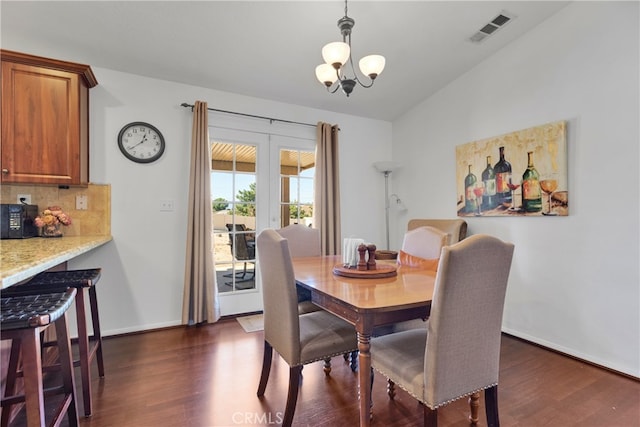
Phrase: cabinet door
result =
(41, 126)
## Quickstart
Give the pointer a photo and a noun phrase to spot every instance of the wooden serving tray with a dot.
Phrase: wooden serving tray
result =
(382, 270)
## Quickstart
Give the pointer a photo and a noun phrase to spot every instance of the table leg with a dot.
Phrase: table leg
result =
(364, 376)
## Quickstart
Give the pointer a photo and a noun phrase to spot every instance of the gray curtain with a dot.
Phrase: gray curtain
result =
(199, 302)
(326, 208)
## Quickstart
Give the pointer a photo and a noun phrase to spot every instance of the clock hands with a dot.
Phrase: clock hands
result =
(144, 138)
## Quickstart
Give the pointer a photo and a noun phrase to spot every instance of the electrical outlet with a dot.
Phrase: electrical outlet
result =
(24, 199)
(166, 205)
(81, 202)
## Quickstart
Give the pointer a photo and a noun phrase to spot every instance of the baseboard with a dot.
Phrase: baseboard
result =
(550, 346)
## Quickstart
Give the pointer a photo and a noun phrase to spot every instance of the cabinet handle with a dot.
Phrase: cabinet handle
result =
(5, 171)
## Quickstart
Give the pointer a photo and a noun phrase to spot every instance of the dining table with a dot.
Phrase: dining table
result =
(366, 300)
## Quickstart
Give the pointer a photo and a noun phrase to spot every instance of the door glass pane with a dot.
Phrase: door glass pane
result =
(297, 171)
(233, 191)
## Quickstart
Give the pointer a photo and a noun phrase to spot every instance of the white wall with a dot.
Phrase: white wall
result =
(574, 283)
(143, 267)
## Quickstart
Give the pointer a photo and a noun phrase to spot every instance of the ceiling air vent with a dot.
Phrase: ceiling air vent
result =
(491, 27)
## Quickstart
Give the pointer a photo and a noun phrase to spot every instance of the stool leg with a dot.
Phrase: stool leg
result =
(66, 366)
(32, 375)
(10, 384)
(97, 335)
(83, 346)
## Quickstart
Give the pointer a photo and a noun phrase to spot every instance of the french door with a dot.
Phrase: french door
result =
(259, 180)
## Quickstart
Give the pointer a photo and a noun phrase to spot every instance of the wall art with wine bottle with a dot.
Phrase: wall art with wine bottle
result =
(522, 173)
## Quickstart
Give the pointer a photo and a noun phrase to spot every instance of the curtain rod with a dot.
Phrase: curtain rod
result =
(271, 119)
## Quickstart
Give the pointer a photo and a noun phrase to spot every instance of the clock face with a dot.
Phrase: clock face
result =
(141, 142)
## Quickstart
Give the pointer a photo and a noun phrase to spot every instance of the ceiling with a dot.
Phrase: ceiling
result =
(270, 49)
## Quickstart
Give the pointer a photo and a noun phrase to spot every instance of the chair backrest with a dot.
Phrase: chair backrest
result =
(424, 242)
(281, 324)
(303, 241)
(457, 228)
(464, 326)
(239, 245)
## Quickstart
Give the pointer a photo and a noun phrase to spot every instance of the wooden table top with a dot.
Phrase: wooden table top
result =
(411, 286)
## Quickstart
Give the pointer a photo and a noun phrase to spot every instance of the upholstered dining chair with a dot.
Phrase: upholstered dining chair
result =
(424, 242)
(421, 248)
(458, 353)
(457, 228)
(298, 338)
(303, 242)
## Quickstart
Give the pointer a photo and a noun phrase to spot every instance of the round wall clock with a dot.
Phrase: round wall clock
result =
(141, 142)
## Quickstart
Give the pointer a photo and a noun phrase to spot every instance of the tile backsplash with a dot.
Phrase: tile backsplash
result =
(95, 221)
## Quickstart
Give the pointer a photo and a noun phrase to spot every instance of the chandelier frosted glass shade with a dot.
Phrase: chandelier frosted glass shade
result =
(372, 65)
(326, 74)
(336, 54)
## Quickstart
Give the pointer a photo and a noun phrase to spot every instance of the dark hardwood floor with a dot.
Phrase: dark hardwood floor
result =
(208, 375)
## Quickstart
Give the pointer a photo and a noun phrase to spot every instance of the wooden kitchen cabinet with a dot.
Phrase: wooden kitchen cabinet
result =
(45, 120)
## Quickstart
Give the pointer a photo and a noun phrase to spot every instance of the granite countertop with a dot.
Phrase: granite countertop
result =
(21, 259)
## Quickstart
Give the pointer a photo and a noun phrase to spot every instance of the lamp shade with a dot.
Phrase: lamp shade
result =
(326, 74)
(386, 166)
(336, 53)
(372, 65)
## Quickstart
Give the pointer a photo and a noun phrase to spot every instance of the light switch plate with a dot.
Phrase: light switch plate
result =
(166, 205)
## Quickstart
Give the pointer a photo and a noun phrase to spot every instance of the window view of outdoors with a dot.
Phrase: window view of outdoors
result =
(297, 170)
(233, 193)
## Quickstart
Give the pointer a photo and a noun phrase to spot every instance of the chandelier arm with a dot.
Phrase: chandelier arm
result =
(364, 85)
(334, 89)
(355, 74)
(353, 68)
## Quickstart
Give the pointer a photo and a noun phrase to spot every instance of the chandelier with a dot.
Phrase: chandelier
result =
(336, 55)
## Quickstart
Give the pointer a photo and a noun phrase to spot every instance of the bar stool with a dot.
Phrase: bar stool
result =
(90, 347)
(22, 319)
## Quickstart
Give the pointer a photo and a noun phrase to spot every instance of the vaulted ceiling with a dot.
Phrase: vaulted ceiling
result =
(269, 49)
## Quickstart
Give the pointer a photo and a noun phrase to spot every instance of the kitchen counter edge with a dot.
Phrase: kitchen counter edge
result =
(21, 259)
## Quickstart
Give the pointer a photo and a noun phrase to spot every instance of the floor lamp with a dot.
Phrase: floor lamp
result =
(386, 168)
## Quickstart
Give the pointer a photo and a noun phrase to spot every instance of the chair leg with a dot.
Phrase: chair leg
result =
(474, 404)
(327, 366)
(32, 376)
(430, 417)
(66, 366)
(10, 385)
(354, 360)
(371, 394)
(391, 389)
(83, 347)
(97, 334)
(266, 368)
(491, 406)
(292, 396)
